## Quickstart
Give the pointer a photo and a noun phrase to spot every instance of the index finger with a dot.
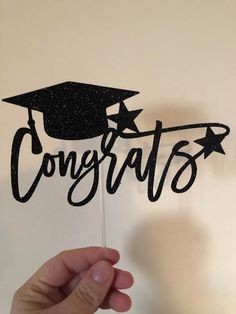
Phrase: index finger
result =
(62, 268)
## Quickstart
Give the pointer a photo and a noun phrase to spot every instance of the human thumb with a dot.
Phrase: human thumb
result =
(90, 292)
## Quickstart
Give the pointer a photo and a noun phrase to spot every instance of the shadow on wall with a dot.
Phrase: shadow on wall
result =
(173, 114)
(171, 251)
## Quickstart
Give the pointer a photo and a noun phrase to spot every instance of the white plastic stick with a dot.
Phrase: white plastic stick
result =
(102, 206)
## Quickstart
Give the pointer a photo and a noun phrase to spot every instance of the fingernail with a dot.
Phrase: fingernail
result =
(101, 272)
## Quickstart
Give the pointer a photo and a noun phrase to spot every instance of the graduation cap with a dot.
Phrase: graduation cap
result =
(71, 110)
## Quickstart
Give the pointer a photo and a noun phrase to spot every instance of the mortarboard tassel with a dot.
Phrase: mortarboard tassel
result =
(36, 144)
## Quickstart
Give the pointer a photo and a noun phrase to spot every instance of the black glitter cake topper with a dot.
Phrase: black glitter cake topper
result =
(76, 111)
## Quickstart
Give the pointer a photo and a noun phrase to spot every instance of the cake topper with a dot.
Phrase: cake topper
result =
(77, 111)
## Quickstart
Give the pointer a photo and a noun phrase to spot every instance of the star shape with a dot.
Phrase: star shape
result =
(125, 118)
(211, 142)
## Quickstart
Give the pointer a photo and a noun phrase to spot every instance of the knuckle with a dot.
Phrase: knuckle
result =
(86, 295)
(21, 294)
(62, 253)
(17, 294)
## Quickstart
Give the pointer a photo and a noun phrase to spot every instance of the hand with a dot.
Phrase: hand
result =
(75, 282)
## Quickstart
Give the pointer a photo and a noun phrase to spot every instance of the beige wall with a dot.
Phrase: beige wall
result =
(180, 55)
